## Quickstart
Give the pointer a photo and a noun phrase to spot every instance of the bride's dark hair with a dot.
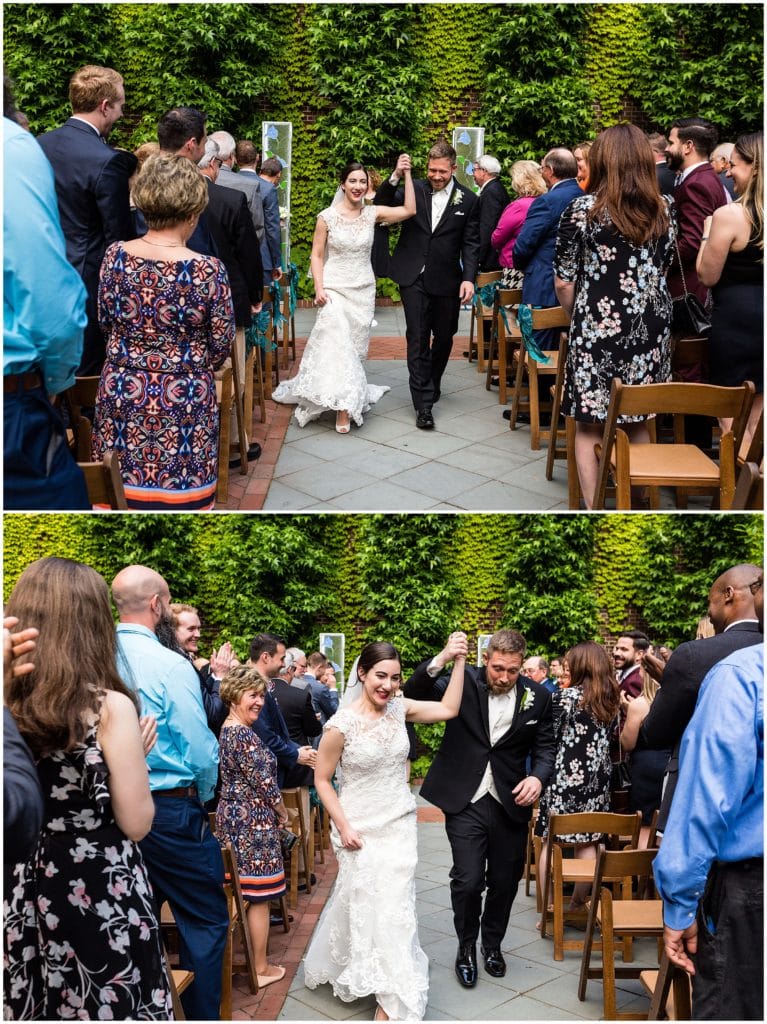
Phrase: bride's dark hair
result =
(373, 653)
(350, 168)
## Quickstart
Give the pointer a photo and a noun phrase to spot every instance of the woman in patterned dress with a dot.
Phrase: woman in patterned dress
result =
(614, 247)
(332, 372)
(81, 933)
(250, 809)
(583, 716)
(167, 315)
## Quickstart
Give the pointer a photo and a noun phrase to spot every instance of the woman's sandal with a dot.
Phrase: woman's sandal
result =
(270, 979)
(343, 428)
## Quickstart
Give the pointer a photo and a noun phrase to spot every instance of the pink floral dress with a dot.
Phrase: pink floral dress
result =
(81, 934)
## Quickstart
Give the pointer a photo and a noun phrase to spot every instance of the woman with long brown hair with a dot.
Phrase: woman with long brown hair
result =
(583, 716)
(614, 247)
(81, 933)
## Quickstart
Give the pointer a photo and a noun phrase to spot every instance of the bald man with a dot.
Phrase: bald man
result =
(182, 856)
(737, 624)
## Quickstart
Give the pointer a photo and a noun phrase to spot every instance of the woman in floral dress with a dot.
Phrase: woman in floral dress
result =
(583, 717)
(167, 316)
(81, 935)
(250, 810)
(614, 247)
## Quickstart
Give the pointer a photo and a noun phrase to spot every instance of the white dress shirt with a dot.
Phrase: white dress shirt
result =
(439, 201)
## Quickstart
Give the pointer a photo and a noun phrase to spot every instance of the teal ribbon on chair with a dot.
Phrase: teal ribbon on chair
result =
(276, 293)
(485, 296)
(293, 282)
(525, 321)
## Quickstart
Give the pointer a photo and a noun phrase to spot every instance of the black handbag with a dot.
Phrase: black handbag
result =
(288, 840)
(620, 779)
(689, 317)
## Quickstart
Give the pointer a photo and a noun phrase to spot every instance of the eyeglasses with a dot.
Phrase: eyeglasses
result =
(217, 161)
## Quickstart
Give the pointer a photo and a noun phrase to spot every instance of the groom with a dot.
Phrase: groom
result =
(434, 263)
(479, 779)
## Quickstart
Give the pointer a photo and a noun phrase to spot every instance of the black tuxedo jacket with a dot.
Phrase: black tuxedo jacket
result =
(493, 200)
(296, 707)
(460, 763)
(92, 191)
(666, 178)
(674, 703)
(237, 245)
(448, 255)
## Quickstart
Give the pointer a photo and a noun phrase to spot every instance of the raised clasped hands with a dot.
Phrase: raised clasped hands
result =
(404, 165)
(457, 646)
(222, 660)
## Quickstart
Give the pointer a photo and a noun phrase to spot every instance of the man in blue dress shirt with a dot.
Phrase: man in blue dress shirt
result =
(182, 855)
(709, 871)
(43, 321)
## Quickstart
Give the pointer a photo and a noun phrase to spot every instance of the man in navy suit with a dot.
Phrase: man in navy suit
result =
(435, 263)
(91, 188)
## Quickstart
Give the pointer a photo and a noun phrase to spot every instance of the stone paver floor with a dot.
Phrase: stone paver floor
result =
(535, 986)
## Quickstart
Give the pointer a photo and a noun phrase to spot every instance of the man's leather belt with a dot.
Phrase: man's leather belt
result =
(181, 791)
(24, 381)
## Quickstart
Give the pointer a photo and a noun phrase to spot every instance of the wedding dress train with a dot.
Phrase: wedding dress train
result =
(332, 372)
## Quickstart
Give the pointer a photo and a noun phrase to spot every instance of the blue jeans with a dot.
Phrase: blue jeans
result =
(185, 867)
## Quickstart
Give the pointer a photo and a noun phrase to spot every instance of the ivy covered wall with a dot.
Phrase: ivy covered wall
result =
(412, 579)
(372, 80)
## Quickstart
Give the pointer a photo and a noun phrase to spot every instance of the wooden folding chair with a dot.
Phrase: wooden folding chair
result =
(555, 449)
(271, 364)
(288, 323)
(754, 450)
(503, 338)
(529, 368)
(618, 919)
(669, 990)
(179, 981)
(479, 318)
(671, 465)
(81, 395)
(300, 826)
(104, 483)
(224, 394)
(749, 491)
(559, 871)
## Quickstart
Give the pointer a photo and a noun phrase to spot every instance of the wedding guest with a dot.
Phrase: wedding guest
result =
(581, 154)
(527, 182)
(648, 767)
(82, 936)
(167, 314)
(250, 810)
(731, 262)
(583, 716)
(493, 200)
(614, 247)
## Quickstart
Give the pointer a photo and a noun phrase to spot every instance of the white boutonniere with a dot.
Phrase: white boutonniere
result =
(527, 699)
(457, 198)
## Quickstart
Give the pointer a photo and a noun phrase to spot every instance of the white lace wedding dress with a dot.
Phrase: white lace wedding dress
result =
(332, 372)
(366, 941)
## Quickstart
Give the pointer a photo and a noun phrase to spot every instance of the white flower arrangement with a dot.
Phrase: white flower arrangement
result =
(527, 699)
(457, 198)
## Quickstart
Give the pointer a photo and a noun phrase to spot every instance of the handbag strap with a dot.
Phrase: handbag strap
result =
(681, 268)
(618, 729)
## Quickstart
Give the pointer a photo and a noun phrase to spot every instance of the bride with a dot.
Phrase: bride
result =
(332, 374)
(366, 941)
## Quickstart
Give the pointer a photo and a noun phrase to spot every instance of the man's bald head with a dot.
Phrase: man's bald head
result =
(140, 595)
(560, 163)
(731, 598)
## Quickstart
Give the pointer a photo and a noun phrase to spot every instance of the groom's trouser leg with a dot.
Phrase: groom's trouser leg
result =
(445, 310)
(505, 866)
(417, 305)
(468, 833)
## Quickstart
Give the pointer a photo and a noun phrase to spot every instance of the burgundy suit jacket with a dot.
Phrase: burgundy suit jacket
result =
(696, 198)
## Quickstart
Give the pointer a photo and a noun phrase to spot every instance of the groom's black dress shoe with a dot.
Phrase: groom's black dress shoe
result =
(494, 962)
(466, 964)
(424, 419)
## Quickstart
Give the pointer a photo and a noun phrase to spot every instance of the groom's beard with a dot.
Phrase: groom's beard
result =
(499, 689)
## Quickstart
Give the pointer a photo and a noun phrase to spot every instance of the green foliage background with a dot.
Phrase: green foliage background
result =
(370, 80)
(412, 579)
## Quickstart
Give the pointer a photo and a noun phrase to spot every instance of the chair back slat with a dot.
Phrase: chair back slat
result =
(104, 483)
(596, 822)
(549, 317)
(677, 397)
